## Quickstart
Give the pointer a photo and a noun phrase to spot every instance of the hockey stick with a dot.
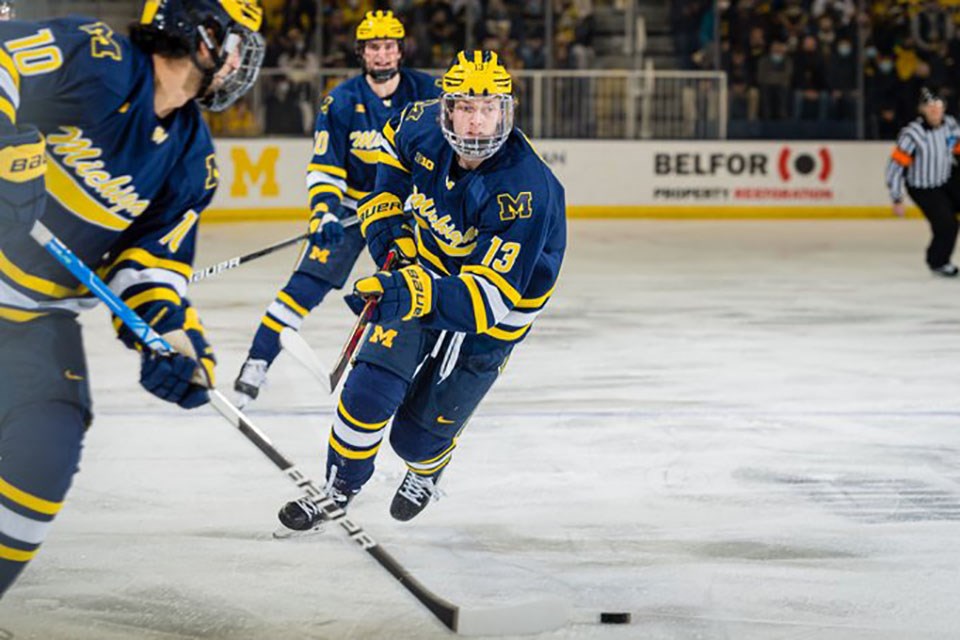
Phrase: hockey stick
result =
(358, 329)
(533, 618)
(236, 261)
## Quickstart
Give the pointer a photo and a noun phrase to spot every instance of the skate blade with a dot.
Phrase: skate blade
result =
(283, 533)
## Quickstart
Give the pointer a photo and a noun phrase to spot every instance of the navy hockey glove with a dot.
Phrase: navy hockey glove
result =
(326, 230)
(177, 377)
(385, 226)
(404, 294)
(23, 165)
(170, 377)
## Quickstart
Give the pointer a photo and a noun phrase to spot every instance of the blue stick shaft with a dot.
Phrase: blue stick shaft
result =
(99, 288)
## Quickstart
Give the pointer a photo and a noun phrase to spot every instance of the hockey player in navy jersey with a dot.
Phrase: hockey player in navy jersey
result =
(481, 253)
(101, 136)
(342, 171)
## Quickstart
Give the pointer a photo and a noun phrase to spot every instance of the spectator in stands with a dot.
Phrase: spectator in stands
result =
(882, 86)
(741, 91)
(774, 78)
(841, 81)
(284, 116)
(531, 50)
(808, 81)
(302, 16)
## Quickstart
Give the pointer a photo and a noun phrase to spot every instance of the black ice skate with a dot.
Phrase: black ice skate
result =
(414, 494)
(305, 515)
(945, 271)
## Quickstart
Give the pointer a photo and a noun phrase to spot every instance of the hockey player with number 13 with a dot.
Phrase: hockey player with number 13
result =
(480, 256)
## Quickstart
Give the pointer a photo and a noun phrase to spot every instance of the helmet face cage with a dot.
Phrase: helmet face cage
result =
(251, 49)
(479, 148)
(226, 28)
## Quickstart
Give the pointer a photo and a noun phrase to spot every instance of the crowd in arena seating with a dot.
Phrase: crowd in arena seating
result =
(790, 62)
(299, 45)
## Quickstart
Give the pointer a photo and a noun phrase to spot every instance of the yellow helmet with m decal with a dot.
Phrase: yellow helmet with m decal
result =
(477, 104)
(380, 25)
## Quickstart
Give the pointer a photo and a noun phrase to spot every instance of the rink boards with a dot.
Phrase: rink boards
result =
(265, 179)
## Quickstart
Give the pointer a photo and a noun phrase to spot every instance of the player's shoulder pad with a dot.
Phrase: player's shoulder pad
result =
(345, 94)
(100, 65)
(415, 123)
(520, 179)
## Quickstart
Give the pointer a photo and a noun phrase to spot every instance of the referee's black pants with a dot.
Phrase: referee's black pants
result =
(939, 205)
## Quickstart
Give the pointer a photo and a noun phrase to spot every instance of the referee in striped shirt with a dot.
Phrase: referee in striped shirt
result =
(923, 158)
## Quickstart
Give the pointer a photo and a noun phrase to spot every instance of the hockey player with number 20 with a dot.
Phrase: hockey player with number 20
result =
(343, 169)
(480, 254)
(101, 136)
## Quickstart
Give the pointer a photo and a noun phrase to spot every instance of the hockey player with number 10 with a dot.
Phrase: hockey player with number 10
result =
(480, 256)
(101, 138)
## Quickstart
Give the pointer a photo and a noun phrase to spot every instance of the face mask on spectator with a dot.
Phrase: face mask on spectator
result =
(776, 57)
(844, 50)
(885, 65)
(870, 52)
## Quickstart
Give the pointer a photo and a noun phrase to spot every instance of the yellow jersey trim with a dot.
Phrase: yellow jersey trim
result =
(333, 170)
(368, 426)
(290, 302)
(476, 298)
(62, 186)
(486, 272)
(18, 315)
(350, 453)
(36, 283)
(28, 500)
(16, 555)
(147, 259)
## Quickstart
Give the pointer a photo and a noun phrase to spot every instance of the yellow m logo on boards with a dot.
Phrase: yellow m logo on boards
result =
(262, 172)
(384, 337)
(519, 207)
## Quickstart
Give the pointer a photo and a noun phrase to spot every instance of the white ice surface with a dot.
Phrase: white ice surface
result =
(729, 429)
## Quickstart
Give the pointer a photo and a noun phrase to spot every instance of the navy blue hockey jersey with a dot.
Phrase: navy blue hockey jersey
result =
(125, 188)
(494, 237)
(347, 139)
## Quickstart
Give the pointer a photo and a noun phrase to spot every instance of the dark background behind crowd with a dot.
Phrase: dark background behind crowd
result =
(793, 63)
(849, 68)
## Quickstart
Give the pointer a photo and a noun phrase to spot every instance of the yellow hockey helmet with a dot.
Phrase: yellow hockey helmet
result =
(476, 114)
(380, 25)
(479, 74)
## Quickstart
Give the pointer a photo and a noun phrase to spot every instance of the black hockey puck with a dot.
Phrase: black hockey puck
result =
(614, 617)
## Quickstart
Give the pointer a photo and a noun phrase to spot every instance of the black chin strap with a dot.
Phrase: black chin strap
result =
(384, 75)
(208, 73)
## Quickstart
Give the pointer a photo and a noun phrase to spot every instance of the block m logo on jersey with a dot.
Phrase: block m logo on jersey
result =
(262, 172)
(519, 207)
(383, 336)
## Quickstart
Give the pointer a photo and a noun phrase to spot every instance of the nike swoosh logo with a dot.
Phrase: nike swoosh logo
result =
(70, 375)
(443, 420)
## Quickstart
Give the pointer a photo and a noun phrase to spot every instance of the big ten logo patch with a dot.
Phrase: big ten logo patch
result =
(261, 172)
(424, 161)
(320, 255)
(383, 336)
